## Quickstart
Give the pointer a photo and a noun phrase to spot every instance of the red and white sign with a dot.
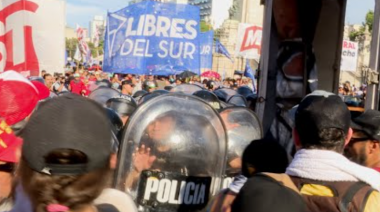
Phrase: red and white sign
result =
(349, 59)
(32, 36)
(249, 41)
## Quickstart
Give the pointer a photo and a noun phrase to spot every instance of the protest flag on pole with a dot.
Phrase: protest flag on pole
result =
(250, 73)
(77, 55)
(219, 48)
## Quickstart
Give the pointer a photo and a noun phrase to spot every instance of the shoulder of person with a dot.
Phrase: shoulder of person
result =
(122, 201)
(373, 202)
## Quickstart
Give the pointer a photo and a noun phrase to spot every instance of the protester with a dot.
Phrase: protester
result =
(150, 84)
(319, 170)
(43, 72)
(49, 80)
(364, 146)
(127, 87)
(10, 146)
(260, 156)
(59, 85)
(77, 86)
(73, 168)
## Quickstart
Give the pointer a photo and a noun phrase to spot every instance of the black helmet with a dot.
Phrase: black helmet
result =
(123, 105)
(139, 94)
(238, 100)
(161, 92)
(244, 91)
(168, 87)
(209, 97)
(104, 83)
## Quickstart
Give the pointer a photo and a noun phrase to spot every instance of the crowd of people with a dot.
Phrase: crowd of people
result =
(63, 139)
(82, 81)
(352, 95)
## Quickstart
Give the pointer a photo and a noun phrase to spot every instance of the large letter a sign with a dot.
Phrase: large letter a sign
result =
(32, 35)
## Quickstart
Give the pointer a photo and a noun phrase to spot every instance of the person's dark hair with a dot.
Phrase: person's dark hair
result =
(264, 155)
(327, 139)
(46, 75)
(73, 192)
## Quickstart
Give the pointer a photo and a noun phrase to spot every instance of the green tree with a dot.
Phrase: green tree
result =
(71, 46)
(205, 26)
(369, 20)
(355, 35)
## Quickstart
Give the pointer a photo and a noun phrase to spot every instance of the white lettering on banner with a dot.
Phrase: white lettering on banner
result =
(206, 50)
(141, 47)
(349, 56)
(190, 193)
(160, 26)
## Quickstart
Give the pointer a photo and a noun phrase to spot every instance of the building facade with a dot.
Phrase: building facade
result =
(97, 24)
(358, 77)
(214, 12)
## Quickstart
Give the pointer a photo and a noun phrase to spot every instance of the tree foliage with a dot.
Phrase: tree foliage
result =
(71, 46)
(205, 26)
(369, 20)
(356, 35)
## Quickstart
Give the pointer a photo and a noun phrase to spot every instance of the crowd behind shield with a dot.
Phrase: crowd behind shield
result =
(90, 141)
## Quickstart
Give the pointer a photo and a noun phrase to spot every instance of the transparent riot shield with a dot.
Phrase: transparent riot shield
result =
(187, 88)
(173, 154)
(243, 127)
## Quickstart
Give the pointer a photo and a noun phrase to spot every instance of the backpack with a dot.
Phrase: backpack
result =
(348, 196)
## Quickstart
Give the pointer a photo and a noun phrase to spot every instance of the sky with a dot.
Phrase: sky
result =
(357, 9)
(82, 11)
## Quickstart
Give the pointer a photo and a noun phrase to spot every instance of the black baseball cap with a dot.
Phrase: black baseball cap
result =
(322, 110)
(127, 82)
(369, 123)
(67, 122)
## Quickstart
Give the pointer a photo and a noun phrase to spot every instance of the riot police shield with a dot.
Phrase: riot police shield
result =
(238, 100)
(187, 88)
(173, 154)
(244, 91)
(243, 127)
(224, 94)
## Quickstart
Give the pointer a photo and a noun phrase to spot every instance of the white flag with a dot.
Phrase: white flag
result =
(78, 55)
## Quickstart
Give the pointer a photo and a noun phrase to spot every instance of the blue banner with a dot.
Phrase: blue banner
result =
(153, 38)
(206, 42)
